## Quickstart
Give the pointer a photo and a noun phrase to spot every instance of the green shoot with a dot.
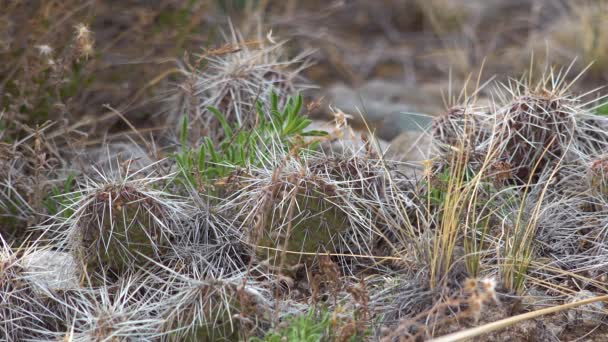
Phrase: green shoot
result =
(59, 199)
(311, 327)
(239, 149)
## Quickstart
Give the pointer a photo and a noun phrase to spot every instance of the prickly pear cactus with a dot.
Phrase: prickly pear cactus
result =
(121, 227)
(304, 226)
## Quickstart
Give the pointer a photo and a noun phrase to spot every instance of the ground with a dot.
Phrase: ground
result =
(289, 170)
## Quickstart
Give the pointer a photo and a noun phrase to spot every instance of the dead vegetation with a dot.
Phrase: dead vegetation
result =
(199, 205)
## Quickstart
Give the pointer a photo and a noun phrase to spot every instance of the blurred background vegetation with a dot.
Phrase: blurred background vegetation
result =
(424, 46)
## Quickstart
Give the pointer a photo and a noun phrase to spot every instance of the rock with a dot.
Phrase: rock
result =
(53, 270)
(110, 154)
(589, 314)
(410, 146)
(389, 107)
(533, 298)
(352, 138)
(553, 328)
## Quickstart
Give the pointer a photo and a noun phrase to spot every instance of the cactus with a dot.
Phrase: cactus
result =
(598, 176)
(121, 311)
(302, 219)
(211, 245)
(23, 309)
(543, 124)
(200, 308)
(118, 225)
(233, 80)
(459, 125)
(341, 204)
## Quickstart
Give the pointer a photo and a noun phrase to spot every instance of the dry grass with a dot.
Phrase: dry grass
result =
(506, 223)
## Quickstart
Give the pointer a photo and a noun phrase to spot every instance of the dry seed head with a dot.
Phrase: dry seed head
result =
(86, 50)
(484, 290)
(360, 295)
(340, 118)
(488, 286)
(84, 41)
(44, 50)
(82, 31)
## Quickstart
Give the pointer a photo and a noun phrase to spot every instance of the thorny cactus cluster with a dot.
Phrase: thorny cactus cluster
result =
(119, 225)
(294, 230)
(24, 311)
(317, 204)
(449, 128)
(235, 78)
(548, 145)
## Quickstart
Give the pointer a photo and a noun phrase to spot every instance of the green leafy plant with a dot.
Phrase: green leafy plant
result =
(240, 147)
(310, 327)
(437, 185)
(602, 109)
(59, 199)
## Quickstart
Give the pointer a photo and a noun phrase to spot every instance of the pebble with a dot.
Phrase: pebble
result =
(53, 270)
